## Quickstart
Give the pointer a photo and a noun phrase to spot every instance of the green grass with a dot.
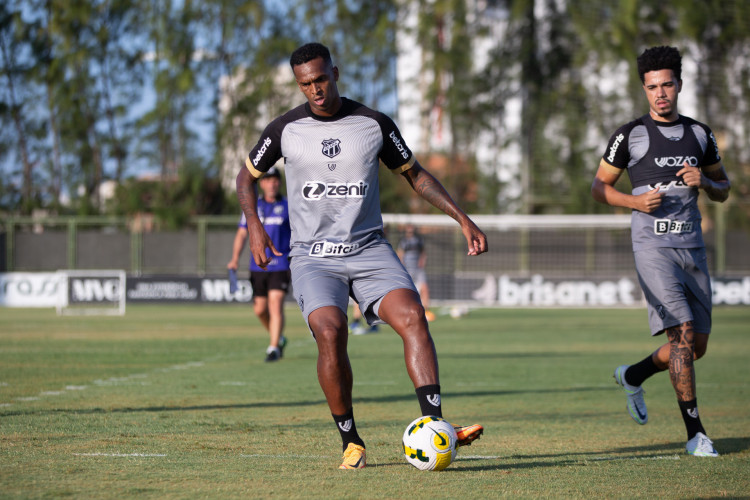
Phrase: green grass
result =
(176, 402)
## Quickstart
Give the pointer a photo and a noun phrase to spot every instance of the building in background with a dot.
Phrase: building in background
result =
(245, 130)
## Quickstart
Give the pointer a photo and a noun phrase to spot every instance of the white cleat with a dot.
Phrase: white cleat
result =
(701, 446)
(636, 404)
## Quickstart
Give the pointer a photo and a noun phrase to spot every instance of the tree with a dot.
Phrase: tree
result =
(12, 43)
(718, 39)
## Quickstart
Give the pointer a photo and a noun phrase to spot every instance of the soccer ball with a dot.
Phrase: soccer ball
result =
(430, 443)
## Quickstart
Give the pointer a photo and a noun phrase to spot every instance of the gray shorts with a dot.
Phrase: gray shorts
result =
(366, 277)
(677, 287)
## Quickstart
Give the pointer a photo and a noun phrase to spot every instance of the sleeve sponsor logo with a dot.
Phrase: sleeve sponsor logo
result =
(716, 146)
(613, 149)
(399, 146)
(262, 151)
(316, 190)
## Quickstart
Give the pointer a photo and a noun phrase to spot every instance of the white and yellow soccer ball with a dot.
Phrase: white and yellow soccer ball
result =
(430, 443)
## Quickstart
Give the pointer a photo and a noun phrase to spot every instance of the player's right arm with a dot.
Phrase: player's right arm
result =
(603, 190)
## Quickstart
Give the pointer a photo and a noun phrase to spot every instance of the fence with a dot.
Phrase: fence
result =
(589, 245)
(582, 245)
(579, 260)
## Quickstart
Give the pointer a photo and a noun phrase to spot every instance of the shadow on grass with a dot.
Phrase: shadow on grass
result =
(281, 404)
(507, 355)
(666, 451)
(507, 464)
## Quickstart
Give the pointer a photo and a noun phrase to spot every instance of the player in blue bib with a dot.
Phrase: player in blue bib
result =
(270, 285)
(670, 159)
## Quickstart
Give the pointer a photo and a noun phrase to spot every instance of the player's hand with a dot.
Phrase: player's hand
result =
(259, 241)
(232, 265)
(692, 176)
(648, 202)
(475, 238)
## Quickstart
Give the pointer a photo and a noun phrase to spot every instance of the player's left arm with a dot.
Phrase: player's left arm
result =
(712, 179)
(429, 188)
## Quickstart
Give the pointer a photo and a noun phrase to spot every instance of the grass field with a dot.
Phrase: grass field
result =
(176, 402)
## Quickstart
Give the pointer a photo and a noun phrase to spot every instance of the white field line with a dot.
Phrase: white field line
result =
(120, 455)
(111, 381)
(283, 455)
(658, 457)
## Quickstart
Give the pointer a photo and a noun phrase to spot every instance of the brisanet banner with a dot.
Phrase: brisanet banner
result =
(538, 291)
(44, 289)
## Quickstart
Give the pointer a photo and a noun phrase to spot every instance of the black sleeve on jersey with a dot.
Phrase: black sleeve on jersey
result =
(617, 153)
(267, 151)
(711, 155)
(395, 152)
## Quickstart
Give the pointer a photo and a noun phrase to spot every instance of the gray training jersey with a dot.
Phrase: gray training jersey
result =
(331, 167)
(653, 152)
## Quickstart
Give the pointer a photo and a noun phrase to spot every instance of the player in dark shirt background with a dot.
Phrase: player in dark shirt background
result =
(270, 285)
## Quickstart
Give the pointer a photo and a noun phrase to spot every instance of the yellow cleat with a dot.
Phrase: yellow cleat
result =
(468, 434)
(429, 315)
(354, 457)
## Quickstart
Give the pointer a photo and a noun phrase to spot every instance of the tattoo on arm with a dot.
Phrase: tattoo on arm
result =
(248, 198)
(431, 190)
(718, 189)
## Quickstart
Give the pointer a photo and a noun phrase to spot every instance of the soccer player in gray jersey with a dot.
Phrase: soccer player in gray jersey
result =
(669, 159)
(332, 148)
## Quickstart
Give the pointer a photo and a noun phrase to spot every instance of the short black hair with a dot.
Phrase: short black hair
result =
(308, 52)
(657, 58)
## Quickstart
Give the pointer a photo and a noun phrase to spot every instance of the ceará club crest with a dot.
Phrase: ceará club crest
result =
(331, 147)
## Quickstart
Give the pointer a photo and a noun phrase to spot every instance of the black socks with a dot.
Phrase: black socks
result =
(429, 400)
(689, 410)
(636, 374)
(347, 428)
